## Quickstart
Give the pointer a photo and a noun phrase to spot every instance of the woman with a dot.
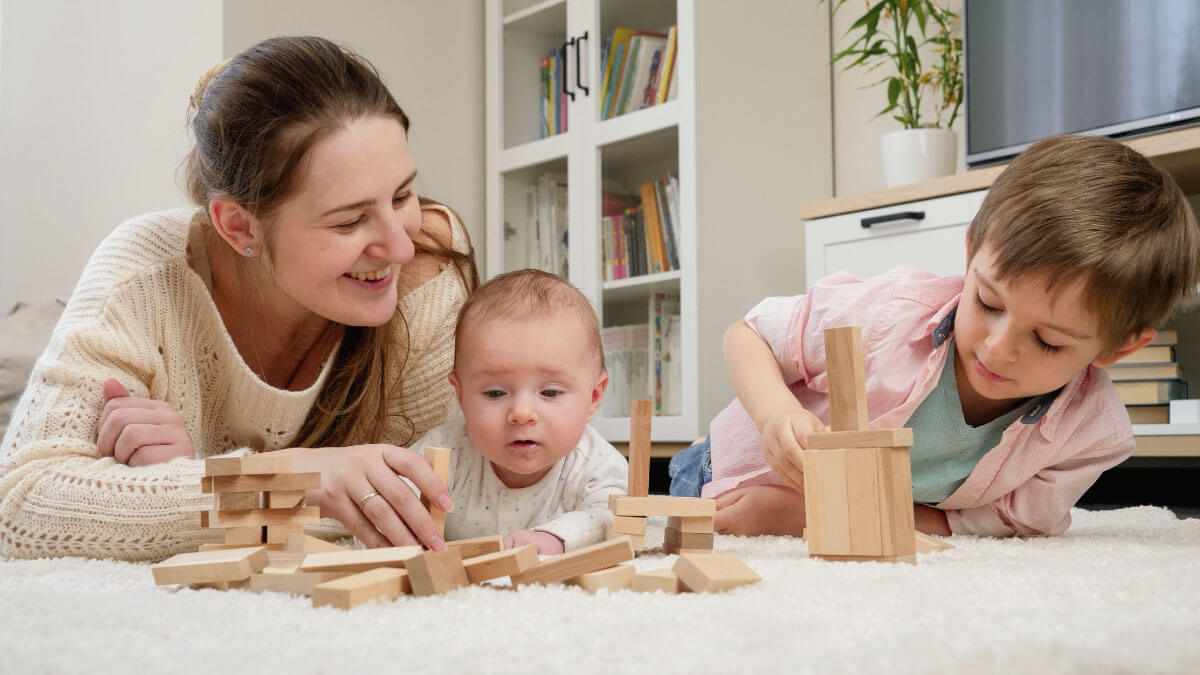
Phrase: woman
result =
(307, 307)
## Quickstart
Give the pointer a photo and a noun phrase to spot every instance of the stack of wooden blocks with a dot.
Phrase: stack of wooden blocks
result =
(257, 500)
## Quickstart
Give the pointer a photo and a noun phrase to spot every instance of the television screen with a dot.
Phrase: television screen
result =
(1036, 68)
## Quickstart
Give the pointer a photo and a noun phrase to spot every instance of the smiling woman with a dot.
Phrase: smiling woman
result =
(305, 306)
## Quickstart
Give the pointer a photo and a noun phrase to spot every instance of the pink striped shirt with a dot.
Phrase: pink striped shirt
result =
(1026, 485)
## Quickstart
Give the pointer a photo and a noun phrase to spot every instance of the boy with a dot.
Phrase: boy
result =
(529, 374)
(1080, 248)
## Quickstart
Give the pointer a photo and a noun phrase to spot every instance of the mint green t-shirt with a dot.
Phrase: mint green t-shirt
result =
(945, 448)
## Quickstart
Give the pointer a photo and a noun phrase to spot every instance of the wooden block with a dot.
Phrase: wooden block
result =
(302, 543)
(257, 483)
(501, 563)
(672, 549)
(282, 562)
(826, 502)
(928, 544)
(233, 564)
(638, 540)
(622, 505)
(299, 583)
(696, 541)
(709, 572)
(359, 560)
(297, 516)
(436, 572)
(869, 438)
(581, 561)
(629, 525)
(896, 506)
(237, 501)
(278, 534)
(690, 523)
(283, 499)
(655, 580)
(910, 558)
(243, 536)
(225, 585)
(613, 578)
(439, 459)
(473, 548)
(226, 547)
(847, 383)
(641, 413)
(262, 463)
(383, 583)
(862, 498)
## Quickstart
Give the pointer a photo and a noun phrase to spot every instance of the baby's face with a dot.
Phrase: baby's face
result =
(527, 388)
(1014, 339)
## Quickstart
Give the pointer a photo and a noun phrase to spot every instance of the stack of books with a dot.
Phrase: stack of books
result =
(553, 101)
(641, 233)
(643, 360)
(537, 236)
(638, 70)
(1148, 379)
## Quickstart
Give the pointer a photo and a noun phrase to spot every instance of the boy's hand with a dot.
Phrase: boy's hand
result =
(547, 544)
(784, 437)
(140, 431)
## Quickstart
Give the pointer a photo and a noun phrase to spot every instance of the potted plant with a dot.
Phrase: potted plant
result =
(896, 32)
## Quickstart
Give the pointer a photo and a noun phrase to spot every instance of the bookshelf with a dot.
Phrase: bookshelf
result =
(751, 95)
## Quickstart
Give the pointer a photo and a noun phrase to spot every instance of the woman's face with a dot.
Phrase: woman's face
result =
(337, 244)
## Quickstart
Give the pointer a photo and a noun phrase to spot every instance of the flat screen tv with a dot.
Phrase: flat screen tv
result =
(1036, 68)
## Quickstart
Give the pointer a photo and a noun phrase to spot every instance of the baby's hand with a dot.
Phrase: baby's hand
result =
(784, 437)
(547, 544)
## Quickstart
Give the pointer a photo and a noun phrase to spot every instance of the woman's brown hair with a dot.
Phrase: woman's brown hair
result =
(255, 118)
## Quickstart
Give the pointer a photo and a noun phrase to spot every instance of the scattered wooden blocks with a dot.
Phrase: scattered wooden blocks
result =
(383, 583)
(208, 567)
(649, 581)
(501, 563)
(612, 578)
(711, 572)
(353, 562)
(436, 572)
(588, 559)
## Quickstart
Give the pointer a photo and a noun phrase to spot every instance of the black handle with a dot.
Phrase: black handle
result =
(901, 215)
(578, 78)
(562, 51)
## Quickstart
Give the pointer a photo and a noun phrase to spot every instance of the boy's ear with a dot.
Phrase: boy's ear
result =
(457, 389)
(1131, 345)
(598, 394)
(237, 226)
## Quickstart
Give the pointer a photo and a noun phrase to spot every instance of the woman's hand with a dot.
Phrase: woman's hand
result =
(140, 431)
(361, 487)
(547, 544)
(785, 436)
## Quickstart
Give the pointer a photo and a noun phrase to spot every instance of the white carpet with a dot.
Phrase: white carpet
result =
(1120, 592)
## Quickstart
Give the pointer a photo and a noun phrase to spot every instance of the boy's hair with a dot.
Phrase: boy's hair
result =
(1089, 208)
(528, 294)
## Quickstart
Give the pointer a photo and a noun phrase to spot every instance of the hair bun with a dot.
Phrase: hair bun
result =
(202, 84)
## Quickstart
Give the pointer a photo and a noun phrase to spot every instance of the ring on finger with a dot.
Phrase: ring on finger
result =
(362, 503)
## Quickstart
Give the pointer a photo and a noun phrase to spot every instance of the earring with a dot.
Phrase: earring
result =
(249, 251)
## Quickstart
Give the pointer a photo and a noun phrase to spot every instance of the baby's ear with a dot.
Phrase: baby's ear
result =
(1131, 345)
(457, 388)
(598, 394)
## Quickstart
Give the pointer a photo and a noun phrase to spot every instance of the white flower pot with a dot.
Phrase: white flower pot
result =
(911, 155)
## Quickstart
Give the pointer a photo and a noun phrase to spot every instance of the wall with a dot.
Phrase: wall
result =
(92, 104)
(856, 130)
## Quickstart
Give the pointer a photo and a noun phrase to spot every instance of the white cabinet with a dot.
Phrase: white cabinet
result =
(752, 98)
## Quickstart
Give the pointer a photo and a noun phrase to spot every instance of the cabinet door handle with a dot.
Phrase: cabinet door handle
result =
(914, 216)
(578, 77)
(566, 71)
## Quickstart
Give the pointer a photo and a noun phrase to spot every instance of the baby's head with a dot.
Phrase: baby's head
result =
(1080, 249)
(528, 371)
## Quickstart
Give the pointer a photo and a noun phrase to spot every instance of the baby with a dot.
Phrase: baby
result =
(529, 374)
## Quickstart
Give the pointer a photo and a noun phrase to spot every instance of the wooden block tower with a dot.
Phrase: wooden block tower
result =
(259, 500)
(857, 481)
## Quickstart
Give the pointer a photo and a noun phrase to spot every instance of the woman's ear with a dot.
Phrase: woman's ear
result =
(237, 226)
(1131, 345)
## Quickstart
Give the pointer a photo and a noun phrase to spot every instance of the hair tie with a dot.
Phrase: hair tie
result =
(202, 84)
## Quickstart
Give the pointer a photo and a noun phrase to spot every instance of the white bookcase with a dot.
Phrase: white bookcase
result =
(747, 136)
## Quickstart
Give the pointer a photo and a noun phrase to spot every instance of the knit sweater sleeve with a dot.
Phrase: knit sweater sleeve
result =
(58, 496)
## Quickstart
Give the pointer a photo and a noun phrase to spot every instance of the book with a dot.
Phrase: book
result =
(621, 102)
(664, 219)
(1149, 354)
(1166, 337)
(663, 306)
(618, 43)
(633, 96)
(1150, 392)
(654, 234)
(1149, 414)
(668, 67)
(1153, 371)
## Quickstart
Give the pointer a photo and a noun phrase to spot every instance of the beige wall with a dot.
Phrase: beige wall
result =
(856, 130)
(430, 54)
(92, 104)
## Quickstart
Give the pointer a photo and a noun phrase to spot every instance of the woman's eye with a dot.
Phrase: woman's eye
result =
(350, 225)
(400, 199)
(984, 306)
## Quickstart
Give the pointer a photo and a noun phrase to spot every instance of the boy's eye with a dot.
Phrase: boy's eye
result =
(493, 393)
(983, 305)
(550, 393)
(1046, 346)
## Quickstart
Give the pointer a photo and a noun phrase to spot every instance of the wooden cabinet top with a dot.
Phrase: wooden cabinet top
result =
(1176, 151)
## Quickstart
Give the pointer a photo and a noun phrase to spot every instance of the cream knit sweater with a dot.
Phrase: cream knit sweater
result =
(142, 315)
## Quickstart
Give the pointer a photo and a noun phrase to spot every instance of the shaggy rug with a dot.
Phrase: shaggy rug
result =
(1119, 592)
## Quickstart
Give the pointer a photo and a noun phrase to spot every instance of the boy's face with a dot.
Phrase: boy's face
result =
(527, 388)
(1014, 340)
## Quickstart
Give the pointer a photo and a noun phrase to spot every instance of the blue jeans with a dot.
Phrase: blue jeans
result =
(690, 469)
